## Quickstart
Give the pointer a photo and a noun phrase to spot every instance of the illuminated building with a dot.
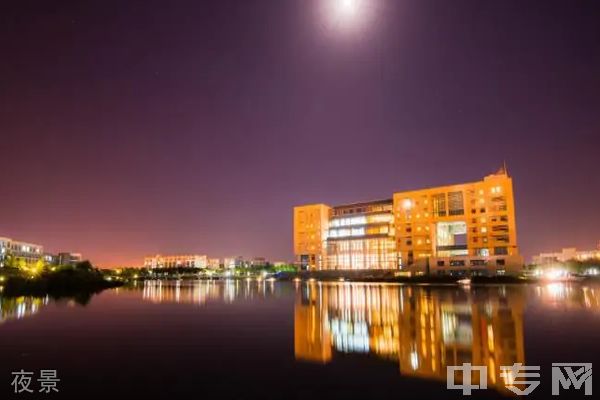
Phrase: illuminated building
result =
(567, 254)
(176, 261)
(351, 236)
(21, 252)
(214, 263)
(458, 229)
(235, 262)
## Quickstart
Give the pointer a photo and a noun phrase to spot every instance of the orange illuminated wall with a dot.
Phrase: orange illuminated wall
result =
(311, 223)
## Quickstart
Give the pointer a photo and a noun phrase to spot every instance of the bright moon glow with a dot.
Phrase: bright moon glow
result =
(346, 15)
(348, 7)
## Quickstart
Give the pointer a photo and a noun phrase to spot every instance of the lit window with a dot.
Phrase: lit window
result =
(407, 204)
(483, 229)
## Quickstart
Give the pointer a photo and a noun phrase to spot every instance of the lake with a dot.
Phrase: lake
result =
(296, 340)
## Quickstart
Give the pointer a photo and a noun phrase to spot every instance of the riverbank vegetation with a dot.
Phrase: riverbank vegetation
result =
(263, 271)
(80, 279)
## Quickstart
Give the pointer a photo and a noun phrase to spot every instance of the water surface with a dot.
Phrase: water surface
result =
(249, 339)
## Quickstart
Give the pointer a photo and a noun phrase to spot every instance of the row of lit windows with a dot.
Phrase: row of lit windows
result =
(362, 220)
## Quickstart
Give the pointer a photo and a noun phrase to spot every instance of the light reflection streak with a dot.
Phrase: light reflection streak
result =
(20, 307)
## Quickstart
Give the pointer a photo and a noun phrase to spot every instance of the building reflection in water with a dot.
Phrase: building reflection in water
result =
(422, 329)
(201, 292)
(20, 307)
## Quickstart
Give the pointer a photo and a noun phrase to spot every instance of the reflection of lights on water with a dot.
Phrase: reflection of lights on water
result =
(490, 337)
(349, 336)
(414, 360)
(555, 274)
(21, 307)
(508, 375)
(556, 290)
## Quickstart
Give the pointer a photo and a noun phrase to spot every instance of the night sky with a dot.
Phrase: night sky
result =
(135, 127)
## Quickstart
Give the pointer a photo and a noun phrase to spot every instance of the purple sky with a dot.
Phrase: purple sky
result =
(130, 128)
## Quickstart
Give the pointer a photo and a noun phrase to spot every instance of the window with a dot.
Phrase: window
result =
(500, 261)
(500, 251)
(455, 203)
(477, 262)
(483, 252)
(440, 263)
(457, 263)
(439, 204)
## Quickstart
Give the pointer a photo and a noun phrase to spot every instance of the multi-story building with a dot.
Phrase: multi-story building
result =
(176, 261)
(567, 254)
(236, 262)
(21, 252)
(361, 236)
(464, 228)
(65, 258)
(26, 254)
(214, 263)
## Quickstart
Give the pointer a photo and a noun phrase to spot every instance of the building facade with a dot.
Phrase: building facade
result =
(567, 254)
(457, 229)
(176, 261)
(26, 254)
(311, 225)
(20, 252)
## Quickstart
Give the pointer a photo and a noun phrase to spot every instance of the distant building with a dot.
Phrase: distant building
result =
(458, 229)
(259, 262)
(22, 252)
(281, 263)
(29, 253)
(214, 263)
(176, 261)
(567, 254)
(69, 258)
(50, 259)
(235, 262)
